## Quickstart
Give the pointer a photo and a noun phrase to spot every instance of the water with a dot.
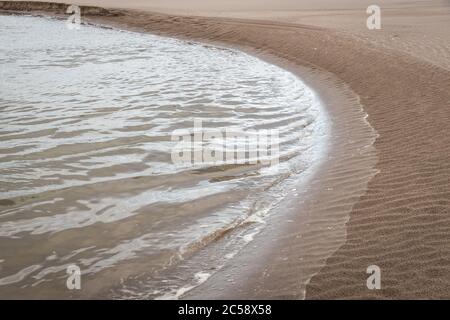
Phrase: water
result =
(86, 171)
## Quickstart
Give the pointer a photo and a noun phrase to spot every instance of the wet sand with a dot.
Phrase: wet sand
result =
(384, 204)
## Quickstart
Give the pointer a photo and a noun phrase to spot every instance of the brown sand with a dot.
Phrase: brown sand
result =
(419, 28)
(399, 221)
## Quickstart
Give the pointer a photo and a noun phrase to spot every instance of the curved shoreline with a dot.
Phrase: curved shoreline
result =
(347, 121)
(292, 252)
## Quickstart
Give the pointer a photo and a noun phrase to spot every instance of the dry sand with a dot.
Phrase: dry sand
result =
(419, 28)
(396, 196)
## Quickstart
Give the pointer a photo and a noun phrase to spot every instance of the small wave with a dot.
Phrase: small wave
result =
(87, 120)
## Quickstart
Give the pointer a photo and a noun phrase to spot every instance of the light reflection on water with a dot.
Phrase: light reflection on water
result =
(86, 175)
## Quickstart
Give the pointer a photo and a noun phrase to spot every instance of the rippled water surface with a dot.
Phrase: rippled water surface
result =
(86, 176)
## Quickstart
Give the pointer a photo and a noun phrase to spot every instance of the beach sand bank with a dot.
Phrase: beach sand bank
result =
(386, 204)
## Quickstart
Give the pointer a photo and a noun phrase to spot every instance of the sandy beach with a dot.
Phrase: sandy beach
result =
(381, 196)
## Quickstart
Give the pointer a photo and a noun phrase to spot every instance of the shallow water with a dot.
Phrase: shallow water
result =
(86, 170)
